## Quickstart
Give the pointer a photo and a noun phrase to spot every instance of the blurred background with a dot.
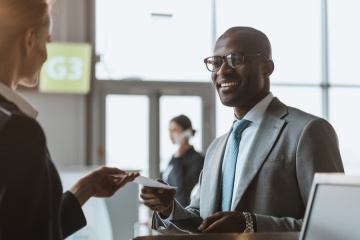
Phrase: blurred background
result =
(146, 66)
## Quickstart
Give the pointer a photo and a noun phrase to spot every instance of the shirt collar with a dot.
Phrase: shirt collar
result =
(18, 100)
(256, 114)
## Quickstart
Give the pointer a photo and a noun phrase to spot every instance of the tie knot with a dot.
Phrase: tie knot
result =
(240, 125)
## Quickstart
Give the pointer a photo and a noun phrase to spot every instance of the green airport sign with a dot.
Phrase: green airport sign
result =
(67, 69)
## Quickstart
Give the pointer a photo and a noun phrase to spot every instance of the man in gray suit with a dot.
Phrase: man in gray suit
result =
(279, 152)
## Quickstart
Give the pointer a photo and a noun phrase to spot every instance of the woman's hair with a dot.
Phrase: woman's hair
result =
(184, 122)
(18, 15)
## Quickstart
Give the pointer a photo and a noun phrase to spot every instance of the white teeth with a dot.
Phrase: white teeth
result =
(229, 84)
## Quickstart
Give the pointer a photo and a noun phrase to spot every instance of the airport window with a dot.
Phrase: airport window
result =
(344, 38)
(127, 125)
(293, 28)
(344, 82)
(153, 40)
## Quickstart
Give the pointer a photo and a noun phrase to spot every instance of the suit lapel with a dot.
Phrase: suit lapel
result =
(269, 130)
(215, 177)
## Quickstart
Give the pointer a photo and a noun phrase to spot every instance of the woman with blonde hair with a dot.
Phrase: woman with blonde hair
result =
(32, 202)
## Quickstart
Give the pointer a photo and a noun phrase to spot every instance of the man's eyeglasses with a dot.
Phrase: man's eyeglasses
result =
(234, 60)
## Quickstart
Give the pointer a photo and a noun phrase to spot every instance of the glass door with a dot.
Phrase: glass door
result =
(131, 119)
(170, 107)
(127, 132)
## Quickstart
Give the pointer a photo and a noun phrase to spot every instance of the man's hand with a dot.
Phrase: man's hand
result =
(224, 222)
(158, 199)
(102, 182)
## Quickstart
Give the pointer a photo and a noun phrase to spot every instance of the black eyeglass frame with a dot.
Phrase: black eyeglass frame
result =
(226, 58)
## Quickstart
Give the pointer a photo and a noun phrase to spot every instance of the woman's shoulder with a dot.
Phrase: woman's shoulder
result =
(195, 154)
(17, 126)
(22, 143)
(9, 107)
(10, 115)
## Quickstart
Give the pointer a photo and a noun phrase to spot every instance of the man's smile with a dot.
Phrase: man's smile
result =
(229, 84)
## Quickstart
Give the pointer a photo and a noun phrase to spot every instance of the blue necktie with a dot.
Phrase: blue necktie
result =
(232, 150)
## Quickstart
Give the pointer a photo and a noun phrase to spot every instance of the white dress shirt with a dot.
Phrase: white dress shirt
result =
(255, 115)
(18, 100)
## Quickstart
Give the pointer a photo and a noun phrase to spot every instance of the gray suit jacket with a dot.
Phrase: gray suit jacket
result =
(289, 147)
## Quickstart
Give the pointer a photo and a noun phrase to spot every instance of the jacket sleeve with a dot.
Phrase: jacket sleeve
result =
(179, 212)
(72, 216)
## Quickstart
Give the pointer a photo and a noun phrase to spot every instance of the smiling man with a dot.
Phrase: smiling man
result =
(257, 177)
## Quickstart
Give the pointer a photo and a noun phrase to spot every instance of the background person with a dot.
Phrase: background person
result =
(186, 164)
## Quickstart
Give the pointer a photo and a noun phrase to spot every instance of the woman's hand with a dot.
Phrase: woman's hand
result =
(102, 182)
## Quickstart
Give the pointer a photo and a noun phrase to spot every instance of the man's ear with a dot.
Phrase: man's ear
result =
(268, 68)
(29, 40)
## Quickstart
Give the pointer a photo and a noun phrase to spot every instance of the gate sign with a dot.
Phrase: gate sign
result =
(67, 69)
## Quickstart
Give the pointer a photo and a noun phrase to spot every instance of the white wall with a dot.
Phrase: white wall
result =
(63, 120)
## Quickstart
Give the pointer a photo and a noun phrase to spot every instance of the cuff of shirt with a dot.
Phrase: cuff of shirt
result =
(166, 221)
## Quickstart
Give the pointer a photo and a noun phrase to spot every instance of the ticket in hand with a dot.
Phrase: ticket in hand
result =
(148, 182)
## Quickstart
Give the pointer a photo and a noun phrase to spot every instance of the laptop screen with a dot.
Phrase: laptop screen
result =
(333, 208)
